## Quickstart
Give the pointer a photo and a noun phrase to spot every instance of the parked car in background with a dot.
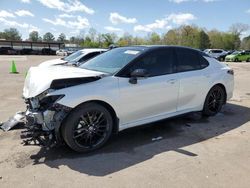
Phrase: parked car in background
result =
(61, 52)
(119, 89)
(48, 51)
(7, 51)
(71, 51)
(86, 54)
(222, 57)
(76, 58)
(216, 53)
(29, 51)
(238, 56)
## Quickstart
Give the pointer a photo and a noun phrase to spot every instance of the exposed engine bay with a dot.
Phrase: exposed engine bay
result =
(43, 119)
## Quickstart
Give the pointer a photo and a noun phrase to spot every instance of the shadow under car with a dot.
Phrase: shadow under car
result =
(135, 145)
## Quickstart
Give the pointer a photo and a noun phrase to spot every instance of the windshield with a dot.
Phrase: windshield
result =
(74, 56)
(113, 60)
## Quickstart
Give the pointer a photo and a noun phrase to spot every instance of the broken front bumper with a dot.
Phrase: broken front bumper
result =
(43, 123)
(18, 118)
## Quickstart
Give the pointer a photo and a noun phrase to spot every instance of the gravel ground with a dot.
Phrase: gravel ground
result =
(193, 152)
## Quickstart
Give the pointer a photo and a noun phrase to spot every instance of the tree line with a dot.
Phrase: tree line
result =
(186, 35)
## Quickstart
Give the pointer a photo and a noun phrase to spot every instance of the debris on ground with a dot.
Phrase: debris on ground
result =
(157, 138)
(18, 118)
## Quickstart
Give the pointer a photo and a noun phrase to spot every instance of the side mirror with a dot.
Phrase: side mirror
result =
(138, 73)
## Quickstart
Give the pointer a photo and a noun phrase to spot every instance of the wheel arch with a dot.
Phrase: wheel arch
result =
(208, 112)
(109, 108)
(223, 87)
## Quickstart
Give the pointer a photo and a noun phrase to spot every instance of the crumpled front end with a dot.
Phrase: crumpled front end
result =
(44, 114)
(43, 119)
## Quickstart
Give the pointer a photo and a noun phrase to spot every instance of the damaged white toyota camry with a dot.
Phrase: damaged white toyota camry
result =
(122, 88)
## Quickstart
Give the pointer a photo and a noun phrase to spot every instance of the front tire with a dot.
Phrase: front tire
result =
(214, 101)
(87, 128)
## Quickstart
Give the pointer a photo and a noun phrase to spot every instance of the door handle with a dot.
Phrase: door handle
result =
(171, 81)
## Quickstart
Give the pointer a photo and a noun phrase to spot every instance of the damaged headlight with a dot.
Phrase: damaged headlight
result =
(48, 101)
(42, 102)
(33, 103)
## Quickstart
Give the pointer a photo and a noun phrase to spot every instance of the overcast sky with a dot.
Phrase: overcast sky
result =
(137, 17)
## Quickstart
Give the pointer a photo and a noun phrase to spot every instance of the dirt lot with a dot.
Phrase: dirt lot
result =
(194, 151)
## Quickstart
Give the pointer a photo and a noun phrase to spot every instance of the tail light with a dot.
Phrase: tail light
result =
(231, 71)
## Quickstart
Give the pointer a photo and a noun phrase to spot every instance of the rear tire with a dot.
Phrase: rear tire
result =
(236, 60)
(87, 128)
(214, 101)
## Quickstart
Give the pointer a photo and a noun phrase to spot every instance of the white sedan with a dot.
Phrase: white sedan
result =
(76, 58)
(122, 88)
(61, 52)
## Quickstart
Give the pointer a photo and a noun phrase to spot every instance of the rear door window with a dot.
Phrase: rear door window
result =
(188, 60)
(203, 62)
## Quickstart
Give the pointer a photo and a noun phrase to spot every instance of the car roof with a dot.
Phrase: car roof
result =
(88, 50)
(161, 46)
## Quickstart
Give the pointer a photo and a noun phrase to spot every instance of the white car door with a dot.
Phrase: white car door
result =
(194, 79)
(151, 97)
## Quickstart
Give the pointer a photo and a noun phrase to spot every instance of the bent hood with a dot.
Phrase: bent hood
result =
(39, 79)
(51, 62)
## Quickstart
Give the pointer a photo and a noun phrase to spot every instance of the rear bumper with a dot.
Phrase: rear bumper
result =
(229, 85)
(229, 95)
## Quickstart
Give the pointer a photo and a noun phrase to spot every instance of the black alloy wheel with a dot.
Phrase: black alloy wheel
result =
(214, 101)
(87, 128)
(91, 129)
